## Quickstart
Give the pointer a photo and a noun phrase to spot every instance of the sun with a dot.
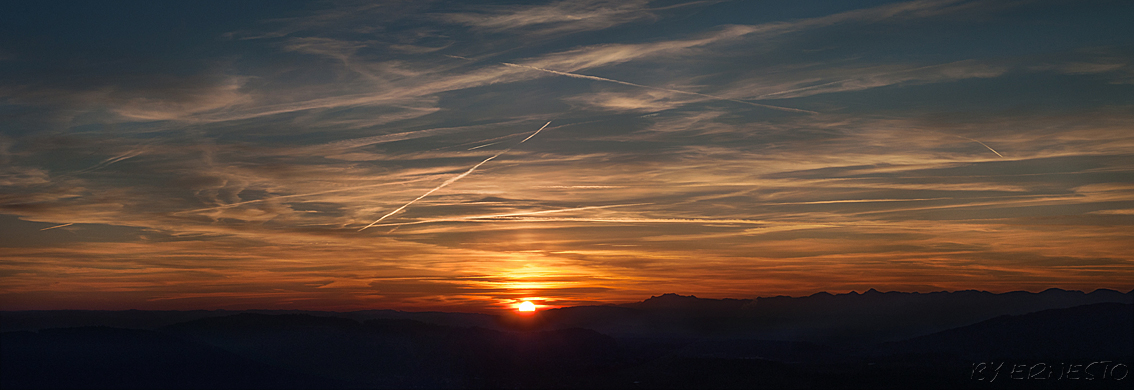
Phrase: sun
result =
(527, 306)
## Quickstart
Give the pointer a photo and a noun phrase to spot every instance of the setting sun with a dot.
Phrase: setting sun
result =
(360, 193)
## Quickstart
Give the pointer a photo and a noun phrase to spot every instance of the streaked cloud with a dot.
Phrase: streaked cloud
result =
(871, 77)
(723, 149)
(557, 17)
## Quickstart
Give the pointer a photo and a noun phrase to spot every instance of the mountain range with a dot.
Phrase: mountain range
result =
(868, 340)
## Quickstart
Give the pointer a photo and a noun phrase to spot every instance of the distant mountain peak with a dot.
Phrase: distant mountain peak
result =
(668, 299)
(673, 301)
(1105, 291)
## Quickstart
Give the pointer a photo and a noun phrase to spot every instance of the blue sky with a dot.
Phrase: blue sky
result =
(345, 155)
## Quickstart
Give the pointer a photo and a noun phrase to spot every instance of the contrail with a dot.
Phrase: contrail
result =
(861, 201)
(583, 76)
(121, 157)
(481, 146)
(805, 88)
(584, 187)
(481, 142)
(476, 217)
(970, 139)
(57, 226)
(981, 144)
(635, 220)
(105, 163)
(454, 179)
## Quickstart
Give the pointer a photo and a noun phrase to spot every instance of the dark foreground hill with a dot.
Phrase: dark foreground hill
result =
(407, 353)
(665, 342)
(112, 358)
(302, 351)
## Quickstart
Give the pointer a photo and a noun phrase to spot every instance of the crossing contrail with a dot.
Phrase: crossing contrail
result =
(583, 76)
(57, 226)
(454, 179)
(481, 146)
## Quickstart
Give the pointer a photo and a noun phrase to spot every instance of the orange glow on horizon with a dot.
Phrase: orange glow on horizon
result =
(526, 306)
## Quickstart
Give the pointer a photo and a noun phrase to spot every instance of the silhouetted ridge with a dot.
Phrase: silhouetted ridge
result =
(843, 319)
(672, 301)
(1098, 331)
(819, 341)
(890, 316)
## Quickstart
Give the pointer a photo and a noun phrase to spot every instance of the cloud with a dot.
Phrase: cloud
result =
(241, 179)
(704, 122)
(826, 79)
(675, 91)
(557, 17)
(1089, 67)
(15, 176)
(1114, 63)
(333, 18)
(386, 83)
(649, 101)
(149, 98)
(611, 54)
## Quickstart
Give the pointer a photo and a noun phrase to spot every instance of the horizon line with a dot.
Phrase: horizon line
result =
(550, 307)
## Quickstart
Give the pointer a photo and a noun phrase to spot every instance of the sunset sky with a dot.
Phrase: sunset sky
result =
(232, 156)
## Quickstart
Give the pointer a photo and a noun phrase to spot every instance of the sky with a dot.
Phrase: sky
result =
(466, 156)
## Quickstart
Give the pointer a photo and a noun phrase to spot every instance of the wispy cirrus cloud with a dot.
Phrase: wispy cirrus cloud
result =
(401, 83)
(827, 79)
(1115, 63)
(557, 17)
(949, 152)
(612, 54)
